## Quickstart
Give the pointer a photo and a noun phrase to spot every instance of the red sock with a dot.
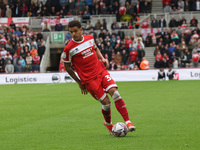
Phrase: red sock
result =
(107, 116)
(121, 107)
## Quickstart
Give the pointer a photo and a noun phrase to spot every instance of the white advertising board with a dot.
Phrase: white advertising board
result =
(140, 75)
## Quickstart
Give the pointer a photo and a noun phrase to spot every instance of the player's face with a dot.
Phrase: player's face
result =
(76, 33)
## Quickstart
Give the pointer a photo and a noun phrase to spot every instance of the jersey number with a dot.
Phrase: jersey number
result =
(108, 77)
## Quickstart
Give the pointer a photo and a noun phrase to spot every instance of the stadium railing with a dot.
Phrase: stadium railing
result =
(45, 63)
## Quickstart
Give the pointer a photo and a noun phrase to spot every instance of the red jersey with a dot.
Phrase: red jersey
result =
(122, 10)
(84, 59)
(133, 55)
(158, 56)
(195, 57)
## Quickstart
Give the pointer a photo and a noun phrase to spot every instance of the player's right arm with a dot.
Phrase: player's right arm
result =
(74, 76)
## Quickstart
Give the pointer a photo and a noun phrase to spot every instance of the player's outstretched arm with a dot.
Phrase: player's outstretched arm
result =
(100, 56)
(73, 75)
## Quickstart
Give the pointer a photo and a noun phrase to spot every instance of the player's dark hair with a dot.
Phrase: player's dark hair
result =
(74, 23)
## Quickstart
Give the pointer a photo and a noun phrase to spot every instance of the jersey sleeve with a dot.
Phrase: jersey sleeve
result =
(66, 56)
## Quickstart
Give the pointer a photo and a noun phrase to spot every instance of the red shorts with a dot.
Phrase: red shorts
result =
(100, 85)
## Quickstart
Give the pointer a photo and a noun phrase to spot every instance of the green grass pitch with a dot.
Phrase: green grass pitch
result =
(59, 117)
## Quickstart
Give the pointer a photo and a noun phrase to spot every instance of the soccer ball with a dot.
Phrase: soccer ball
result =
(119, 129)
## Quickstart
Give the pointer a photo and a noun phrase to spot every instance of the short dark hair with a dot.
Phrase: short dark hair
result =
(74, 23)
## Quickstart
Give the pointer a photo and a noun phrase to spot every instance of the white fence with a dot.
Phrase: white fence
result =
(140, 75)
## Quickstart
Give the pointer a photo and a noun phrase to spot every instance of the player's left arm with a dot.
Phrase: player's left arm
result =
(100, 56)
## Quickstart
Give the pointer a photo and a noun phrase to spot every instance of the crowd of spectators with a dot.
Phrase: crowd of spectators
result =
(61, 8)
(20, 49)
(122, 51)
(177, 47)
(176, 6)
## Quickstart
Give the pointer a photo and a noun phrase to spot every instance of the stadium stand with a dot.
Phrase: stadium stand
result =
(119, 29)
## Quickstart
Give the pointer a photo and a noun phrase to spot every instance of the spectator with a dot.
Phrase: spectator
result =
(166, 1)
(24, 10)
(19, 67)
(46, 25)
(161, 74)
(46, 29)
(137, 21)
(133, 56)
(154, 23)
(17, 32)
(63, 2)
(29, 59)
(125, 57)
(194, 22)
(102, 35)
(110, 9)
(148, 40)
(159, 56)
(122, 9)
(97, 10)
(174, 3)
(167, 8)
(1, 12)
(104, 24)
(1, 65)
(181, 4)
(182, 60)
(94, 34)
(144, 65)
(158, 36)
(162, 22)
(98, 25)
(41, 50)
(145, 24)
(141, 54)
(9, 67)
(103, 9)
(52, 11)
(146, 8)
(12, 25)
(139, 44)
(188, 55)
(36, 63)
(137, 8)
(22, 61)
(33, 51)
(175, 63)
(121, 34)
(58, 26)
(8, 12)
(172, 23)
(78, 6)
(170, 73)
(195, 58)
(108, 51)
(171, 49)
(187, 6)
(197, 5)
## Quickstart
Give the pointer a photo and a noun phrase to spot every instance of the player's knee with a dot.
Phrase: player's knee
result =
(106, 107)
(116, 96)
(105, 101)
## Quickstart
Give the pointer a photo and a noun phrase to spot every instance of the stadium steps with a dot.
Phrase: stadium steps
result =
(157, 6)
(149, 56)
